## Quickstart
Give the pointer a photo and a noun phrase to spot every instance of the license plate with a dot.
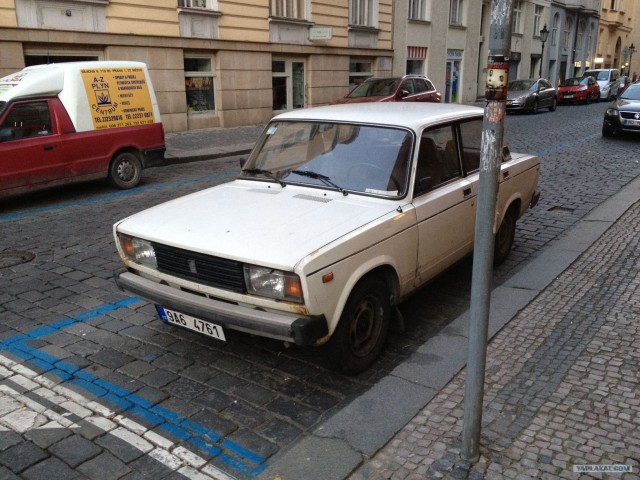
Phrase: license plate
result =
(632, 123)
(568, 96)
(192, 323)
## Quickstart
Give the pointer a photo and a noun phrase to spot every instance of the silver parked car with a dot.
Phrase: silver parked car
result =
(531, 95)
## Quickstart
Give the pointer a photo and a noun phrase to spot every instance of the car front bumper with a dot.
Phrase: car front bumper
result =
(301, 330)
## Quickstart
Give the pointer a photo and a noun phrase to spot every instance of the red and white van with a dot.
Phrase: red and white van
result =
(78, 121)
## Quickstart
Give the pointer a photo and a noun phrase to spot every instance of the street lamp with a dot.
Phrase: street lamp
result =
(632, 50)
(544, 34)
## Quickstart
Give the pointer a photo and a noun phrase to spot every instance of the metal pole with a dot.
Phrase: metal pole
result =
(490, 158)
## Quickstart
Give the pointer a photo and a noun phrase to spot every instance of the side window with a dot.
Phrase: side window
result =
(471, 138)
(408, 86)
(27, 120)
(438, 160)
(421, 85)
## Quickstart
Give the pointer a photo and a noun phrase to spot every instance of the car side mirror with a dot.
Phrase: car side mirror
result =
(243, 161)
(506, 154)
(404, 93)
(6, 134)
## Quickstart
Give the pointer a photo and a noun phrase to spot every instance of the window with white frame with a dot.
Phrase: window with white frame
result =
(566, 35)
(455, 12)
(198, 83)
(204, 4)
(537, 20)
(516, 21)
(613, 5)
(359, 71)
(418, 9)
(289, 9)
(361, 13)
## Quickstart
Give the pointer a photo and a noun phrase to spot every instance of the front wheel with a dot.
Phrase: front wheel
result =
(504, 237)
(607, 131)
(536, 107)
(125, 170)
(362, 330)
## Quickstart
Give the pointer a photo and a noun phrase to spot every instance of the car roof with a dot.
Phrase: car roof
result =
(410, 115)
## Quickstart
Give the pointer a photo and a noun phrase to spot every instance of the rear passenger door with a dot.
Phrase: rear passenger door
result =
(29, 148)
(444, 200)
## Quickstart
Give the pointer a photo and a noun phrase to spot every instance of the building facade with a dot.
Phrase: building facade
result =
(214, 63)
(615, 34)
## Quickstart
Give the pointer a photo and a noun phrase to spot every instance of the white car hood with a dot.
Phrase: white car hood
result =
(256, 222)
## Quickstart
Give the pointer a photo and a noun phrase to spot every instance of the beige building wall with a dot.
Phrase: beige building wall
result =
(615, 32)
(240, 38)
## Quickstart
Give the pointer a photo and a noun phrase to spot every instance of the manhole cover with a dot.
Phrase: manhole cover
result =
(9, 259)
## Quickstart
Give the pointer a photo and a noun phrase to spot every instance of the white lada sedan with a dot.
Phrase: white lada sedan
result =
(338, 214)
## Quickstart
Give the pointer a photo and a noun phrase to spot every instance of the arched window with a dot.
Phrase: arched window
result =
(554, 29)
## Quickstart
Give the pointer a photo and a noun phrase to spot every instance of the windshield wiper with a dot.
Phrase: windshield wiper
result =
(266, 173)
(323, 178)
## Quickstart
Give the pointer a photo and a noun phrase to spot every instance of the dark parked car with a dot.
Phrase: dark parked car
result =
(531, 95)
(576, 89)
(410, 88)
(624, 114)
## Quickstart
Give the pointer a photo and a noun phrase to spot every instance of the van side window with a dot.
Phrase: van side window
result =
(471, 136)
(26, 120)
(438, 160)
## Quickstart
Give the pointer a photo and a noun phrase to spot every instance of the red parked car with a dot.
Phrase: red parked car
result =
(574, 90)
(410, 88)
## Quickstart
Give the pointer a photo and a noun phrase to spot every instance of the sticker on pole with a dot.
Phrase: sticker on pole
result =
(119, 97)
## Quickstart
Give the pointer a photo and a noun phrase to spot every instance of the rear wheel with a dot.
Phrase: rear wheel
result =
(125, 170)
(554, 104)
(362, 330)
(504, 237)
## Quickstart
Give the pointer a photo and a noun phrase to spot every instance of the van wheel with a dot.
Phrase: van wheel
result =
(363, 327)
(504, 237)
(125, 170)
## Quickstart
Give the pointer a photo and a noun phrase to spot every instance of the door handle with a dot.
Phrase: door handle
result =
(505, 174)
(466, 192)
(48, 147)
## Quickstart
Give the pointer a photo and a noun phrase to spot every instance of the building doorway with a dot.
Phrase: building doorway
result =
(288, 84)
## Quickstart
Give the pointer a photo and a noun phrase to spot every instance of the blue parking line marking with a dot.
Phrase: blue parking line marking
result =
(225, 451)
(564, 145)
(110, 196)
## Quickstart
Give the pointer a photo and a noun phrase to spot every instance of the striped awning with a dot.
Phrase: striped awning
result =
(417, 52)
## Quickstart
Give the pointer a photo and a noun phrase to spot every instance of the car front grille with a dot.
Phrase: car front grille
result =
(630, 115)
(197, 267)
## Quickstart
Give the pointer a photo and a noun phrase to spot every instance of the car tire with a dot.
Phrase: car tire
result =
(505, 235)
(607, 131)
(125, 170)
(554, 104)
(363, 327)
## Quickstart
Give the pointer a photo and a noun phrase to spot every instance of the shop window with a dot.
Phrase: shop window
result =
(359, 71)
(199, 89)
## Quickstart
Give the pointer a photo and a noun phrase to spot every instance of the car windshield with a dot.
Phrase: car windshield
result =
(631, 93)
(603, 75)
(573, 82)
(518, 85)
(374, 88)
(347, 157)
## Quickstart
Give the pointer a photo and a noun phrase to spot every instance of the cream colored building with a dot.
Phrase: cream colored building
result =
(213, 62)
(616, 21)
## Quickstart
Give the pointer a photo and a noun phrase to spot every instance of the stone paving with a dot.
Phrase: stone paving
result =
(562, 383)
(259, 397)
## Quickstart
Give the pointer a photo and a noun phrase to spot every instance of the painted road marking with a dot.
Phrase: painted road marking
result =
(229, 453)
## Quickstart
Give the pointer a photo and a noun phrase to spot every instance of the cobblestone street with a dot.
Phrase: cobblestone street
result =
(94, 386)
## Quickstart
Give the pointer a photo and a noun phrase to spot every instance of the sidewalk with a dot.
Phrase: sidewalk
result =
(210, 143)
(562, 383)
